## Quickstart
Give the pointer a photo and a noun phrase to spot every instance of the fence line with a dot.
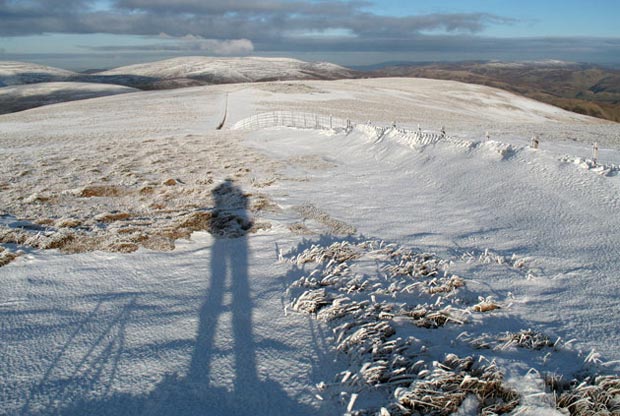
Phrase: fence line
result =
(323, 122)
(408, 137)
(292, 119)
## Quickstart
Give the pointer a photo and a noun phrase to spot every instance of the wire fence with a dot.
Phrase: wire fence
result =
(324, 122)
(292, 119)
(415, 137)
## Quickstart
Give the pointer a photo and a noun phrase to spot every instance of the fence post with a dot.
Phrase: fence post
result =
(595, 152)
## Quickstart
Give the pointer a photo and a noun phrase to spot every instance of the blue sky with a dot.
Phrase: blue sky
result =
(595, 18)
(80, 34)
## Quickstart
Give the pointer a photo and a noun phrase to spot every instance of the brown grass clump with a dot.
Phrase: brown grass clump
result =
(340, 252)
(56, 240)
(83, 244)
(260, 226)
(527, 339)
(175, 233)
(219, 223)
(485, 306)
(600, 396)
(197, 221)
(448, 386)
(36, 197)
(299, 229)
(146, 190)
(6, 256)
(122, 247)
(312, 301)
(263, 203)
(101, 190)
(159, 243)
(68, 223)
(453, 283)
(336, 227)
(12, 236)
(113, 216)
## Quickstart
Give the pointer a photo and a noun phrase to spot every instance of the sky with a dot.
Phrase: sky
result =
(88, 34)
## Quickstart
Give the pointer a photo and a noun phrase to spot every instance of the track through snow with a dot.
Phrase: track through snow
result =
(201, 328)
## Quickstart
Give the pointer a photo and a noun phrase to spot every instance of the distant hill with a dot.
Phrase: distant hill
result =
(181, 72)
(581, 88)
(23, 97)
(19, 73)
(199, 70)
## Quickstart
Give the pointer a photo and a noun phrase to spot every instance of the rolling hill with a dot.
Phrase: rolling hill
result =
(23, 97)
(200, 70)
(581, 88)
(18, 73)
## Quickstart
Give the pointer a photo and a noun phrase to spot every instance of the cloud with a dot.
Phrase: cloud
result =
(240, 27)
(268, 21)
(187, 43)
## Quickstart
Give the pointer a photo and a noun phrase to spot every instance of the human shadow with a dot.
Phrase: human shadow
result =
(227, 301)
(229, 272)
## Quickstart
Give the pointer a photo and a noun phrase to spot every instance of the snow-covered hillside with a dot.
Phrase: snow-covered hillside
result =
(23, 97)
(369, 269)
(17, 73)
(232, 70)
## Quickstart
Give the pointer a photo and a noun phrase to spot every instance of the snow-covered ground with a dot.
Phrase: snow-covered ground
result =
(23, 97)
(226, 70)
(110, 307)
(17, 73)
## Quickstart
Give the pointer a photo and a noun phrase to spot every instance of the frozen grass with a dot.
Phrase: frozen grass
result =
(380, 300)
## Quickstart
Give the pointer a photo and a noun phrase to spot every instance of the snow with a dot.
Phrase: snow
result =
(206, 325)
(221, 70)
(17, 73)
(23, 97)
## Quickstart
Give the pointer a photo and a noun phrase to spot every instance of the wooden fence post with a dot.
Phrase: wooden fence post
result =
(595, 152)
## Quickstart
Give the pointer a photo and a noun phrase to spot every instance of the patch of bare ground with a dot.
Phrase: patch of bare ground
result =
(118, 195)
(335, 227)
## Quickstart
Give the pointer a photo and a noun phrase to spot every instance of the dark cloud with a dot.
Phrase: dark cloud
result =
(279, 26)
(246, 7)
(269, 20)
(188, 43)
